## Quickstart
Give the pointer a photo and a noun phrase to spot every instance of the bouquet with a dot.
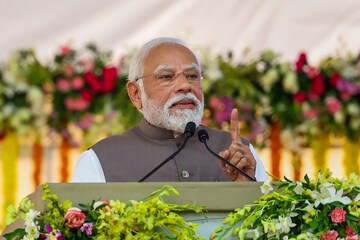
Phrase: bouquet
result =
(82, 80)
(325, 208)
(150, 218)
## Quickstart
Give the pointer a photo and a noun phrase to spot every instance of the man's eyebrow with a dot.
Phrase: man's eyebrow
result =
(191, 66)
(163, 67)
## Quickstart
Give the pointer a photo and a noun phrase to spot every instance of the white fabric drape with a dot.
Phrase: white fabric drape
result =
(287, 26)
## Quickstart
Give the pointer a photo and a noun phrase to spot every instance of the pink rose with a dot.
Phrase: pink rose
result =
(65, 50)
(330, 235)
(311, 113)
(338, 215)
(353, 237)
(75, 218)
(333, 105)
(77, 83)
(69, 70)
(63, 85)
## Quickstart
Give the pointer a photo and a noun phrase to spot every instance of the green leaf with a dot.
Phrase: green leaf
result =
(15, 235)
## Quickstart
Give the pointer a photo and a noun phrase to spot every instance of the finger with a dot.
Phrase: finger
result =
(225, 155)
(234, 127)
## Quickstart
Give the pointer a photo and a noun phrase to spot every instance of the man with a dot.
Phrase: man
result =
(165, 85)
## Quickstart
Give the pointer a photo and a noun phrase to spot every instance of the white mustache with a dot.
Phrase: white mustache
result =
(188, 96)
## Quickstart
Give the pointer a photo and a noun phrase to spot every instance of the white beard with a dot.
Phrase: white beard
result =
(160, 116)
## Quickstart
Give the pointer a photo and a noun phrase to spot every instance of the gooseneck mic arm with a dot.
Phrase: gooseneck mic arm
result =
(189, 131)
(204, 137)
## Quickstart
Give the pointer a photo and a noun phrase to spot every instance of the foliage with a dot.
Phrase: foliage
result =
(323, 208)
(150, 218)
(22, 94)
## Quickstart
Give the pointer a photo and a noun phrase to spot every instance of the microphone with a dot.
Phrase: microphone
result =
(204, 137)
(189, 131)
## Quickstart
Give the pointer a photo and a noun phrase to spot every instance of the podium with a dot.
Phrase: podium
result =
(220, 198)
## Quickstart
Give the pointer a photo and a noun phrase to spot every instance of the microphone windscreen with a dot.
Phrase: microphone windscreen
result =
(203, 135)
(190, 128)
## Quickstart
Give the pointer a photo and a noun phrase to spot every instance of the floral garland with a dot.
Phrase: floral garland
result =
(325, 208)
(150, 218)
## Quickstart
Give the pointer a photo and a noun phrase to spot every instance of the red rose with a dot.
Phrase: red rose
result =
(300, 62)
(317, 86)
(75, 218)
(109, 76)
(299, 97)
(334, 79)
(86, 95)
(93, 81)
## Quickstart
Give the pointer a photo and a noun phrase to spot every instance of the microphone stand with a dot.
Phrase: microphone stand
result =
(189, 131)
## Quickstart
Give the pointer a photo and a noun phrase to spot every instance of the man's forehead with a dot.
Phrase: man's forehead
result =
(173, 67)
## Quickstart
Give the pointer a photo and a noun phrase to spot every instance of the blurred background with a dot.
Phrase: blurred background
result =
(291, 67)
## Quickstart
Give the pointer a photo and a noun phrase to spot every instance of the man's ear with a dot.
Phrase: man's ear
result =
(134, 93)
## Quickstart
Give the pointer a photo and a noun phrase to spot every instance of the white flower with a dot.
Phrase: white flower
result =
(328, 194)
(299, 189)
(290, 83)
(284, 224)
(266, 188)
(253, 233)
(31, 215)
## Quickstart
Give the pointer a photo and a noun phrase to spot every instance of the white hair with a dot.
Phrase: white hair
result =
(136, 64)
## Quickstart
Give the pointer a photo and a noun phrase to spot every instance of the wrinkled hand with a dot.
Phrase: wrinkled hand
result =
(238, 154)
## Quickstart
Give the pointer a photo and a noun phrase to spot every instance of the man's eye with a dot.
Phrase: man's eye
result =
(165, 76)
(192, 76)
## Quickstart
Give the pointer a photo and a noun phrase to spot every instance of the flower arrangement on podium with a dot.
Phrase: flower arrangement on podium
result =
(325, 208)
(150, 218)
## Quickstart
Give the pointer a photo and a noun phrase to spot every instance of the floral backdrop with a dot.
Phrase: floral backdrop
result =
(79, 96)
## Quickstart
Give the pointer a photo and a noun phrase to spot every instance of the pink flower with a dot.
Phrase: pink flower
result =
(85, 122)
(78, 104)
(338, 215)
(312, 72)
(77, 83)
(63, 85)
(330, 235)
(333, 105)
(353, 237)
(65, 50)
(75, 218)
(349, 231)
(311, 113)
(87, 227)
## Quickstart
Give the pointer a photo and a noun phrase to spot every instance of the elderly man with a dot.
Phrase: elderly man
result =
(165, 85)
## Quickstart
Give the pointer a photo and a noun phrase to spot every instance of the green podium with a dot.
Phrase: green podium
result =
(220, 198)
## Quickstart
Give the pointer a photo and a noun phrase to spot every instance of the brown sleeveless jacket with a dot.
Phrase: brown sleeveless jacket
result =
(130, 156)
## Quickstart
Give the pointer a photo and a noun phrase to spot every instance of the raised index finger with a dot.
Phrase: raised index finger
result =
(234, 127)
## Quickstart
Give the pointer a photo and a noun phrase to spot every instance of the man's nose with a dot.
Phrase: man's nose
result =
(182, 84)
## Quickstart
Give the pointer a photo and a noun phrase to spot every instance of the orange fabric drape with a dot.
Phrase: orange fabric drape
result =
(65, 148)
(37, 154)
(275, 149)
